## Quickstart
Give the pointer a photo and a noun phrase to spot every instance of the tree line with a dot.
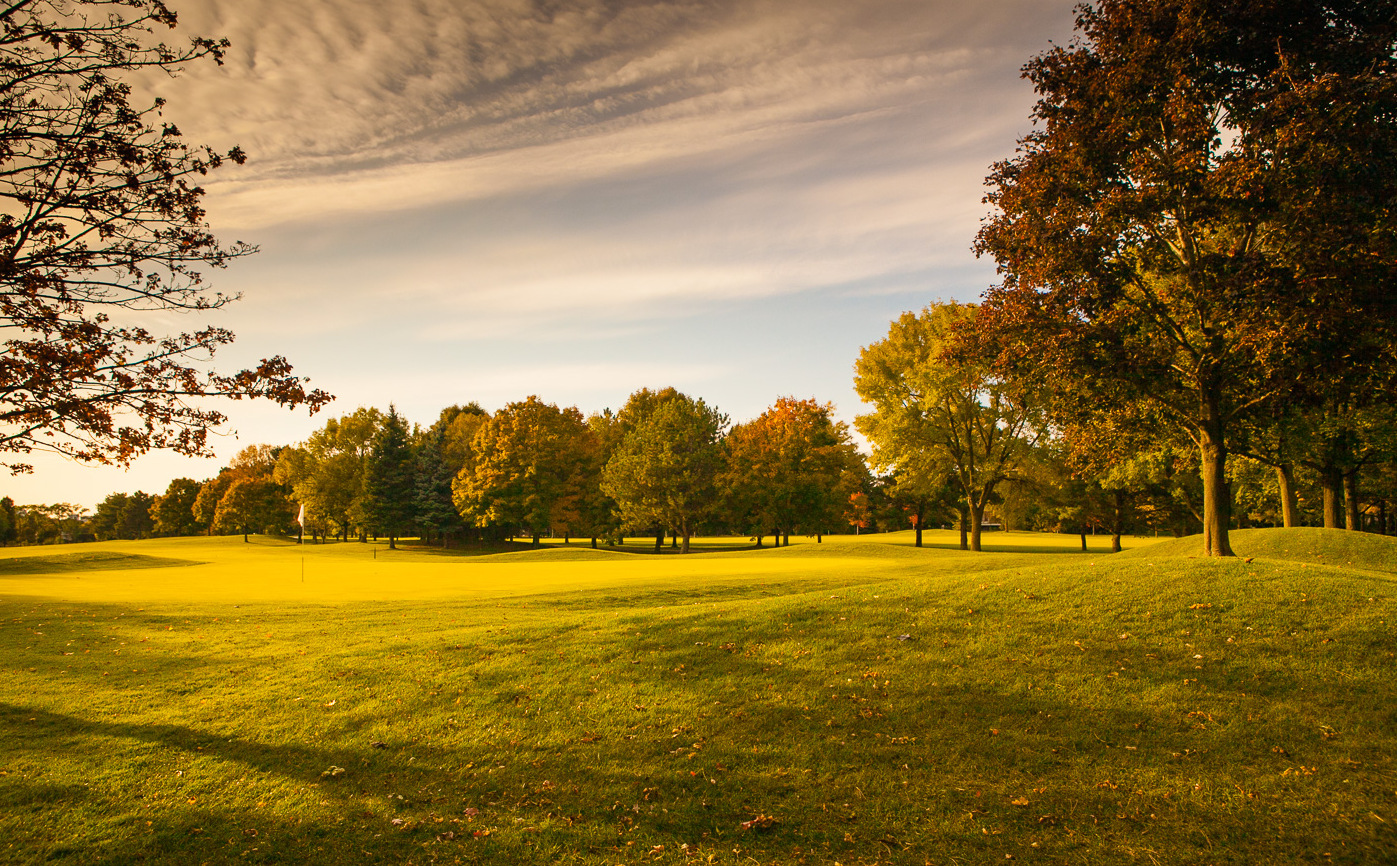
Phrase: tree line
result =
(952, 446)
(664, 465)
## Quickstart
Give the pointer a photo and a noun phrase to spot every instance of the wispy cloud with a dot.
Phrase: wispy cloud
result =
(358, 105)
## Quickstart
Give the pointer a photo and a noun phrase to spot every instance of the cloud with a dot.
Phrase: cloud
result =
(358, 105)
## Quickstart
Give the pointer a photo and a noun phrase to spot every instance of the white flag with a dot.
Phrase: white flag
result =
(301, 518)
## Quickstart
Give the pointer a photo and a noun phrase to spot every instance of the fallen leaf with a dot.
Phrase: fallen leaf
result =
(761, 822)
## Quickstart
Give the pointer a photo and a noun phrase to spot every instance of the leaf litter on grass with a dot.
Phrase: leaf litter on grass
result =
(905, 760)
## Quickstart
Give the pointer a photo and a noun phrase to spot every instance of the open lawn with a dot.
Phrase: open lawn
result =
(856, 701)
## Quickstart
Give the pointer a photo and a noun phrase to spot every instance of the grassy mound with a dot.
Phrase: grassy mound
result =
(572, 553)
(1335, 547)
(819, 705)
(76, 563)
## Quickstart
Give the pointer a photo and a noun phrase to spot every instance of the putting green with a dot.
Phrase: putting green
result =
(226, 569)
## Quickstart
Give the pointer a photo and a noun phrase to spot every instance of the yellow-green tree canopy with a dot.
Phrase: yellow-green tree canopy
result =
(938, 414)
(665, 470)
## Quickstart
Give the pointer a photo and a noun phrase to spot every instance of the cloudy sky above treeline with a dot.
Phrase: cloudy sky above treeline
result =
(480, 200)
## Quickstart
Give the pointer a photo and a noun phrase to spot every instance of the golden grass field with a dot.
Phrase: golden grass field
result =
(856, 701)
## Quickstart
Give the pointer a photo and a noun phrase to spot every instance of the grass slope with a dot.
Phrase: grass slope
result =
(77, 563)
(852, 702)
(1303, 544)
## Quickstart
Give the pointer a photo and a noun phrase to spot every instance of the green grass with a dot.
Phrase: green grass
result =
(76, 563)
(882, 704)
(1357, 550)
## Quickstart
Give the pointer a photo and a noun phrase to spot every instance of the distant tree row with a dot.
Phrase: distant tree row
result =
(664, 464)
(953, 445)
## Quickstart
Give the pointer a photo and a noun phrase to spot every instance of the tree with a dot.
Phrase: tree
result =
(252, 499)
(59, 523)
(791, 468)
(665, 471)
(107, 519)
(435, 508)
(123, 516)
(173, 511)
(102, 230)
(326, 473)
(206, 502)
(9, 522)
(858, 512)
(529, 468)
(1203, 208)
(941, 414)
(443, 452)
(390, 490)
(253, 503)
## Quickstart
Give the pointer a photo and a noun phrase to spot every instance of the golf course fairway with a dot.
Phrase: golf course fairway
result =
(860, 700)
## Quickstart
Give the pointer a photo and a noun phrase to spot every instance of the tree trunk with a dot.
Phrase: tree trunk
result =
(964, 528)
(919, 535)
(819, 538)
(567, 537)
(759, 541)
(1118, 522)
(1217, 498)
(659, 541)
(1351, 516)
(977, 516)
(685, 547)
(245, 535)
(1083, 533)
(594, 542)
(673, 540)
(392, 542)
(1290, 500)
(534, 538)
(1331, 482)
(786, 538)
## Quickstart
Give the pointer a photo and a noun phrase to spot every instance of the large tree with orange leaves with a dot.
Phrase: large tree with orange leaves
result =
(792, 468)
(1200, 223)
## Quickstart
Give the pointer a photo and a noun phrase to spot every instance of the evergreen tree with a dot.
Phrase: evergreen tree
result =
(390, 492)
(435, 509)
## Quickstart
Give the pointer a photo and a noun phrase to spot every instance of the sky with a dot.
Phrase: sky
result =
(479, 200)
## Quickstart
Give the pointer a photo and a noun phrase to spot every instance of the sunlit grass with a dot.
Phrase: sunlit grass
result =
(879, 703)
